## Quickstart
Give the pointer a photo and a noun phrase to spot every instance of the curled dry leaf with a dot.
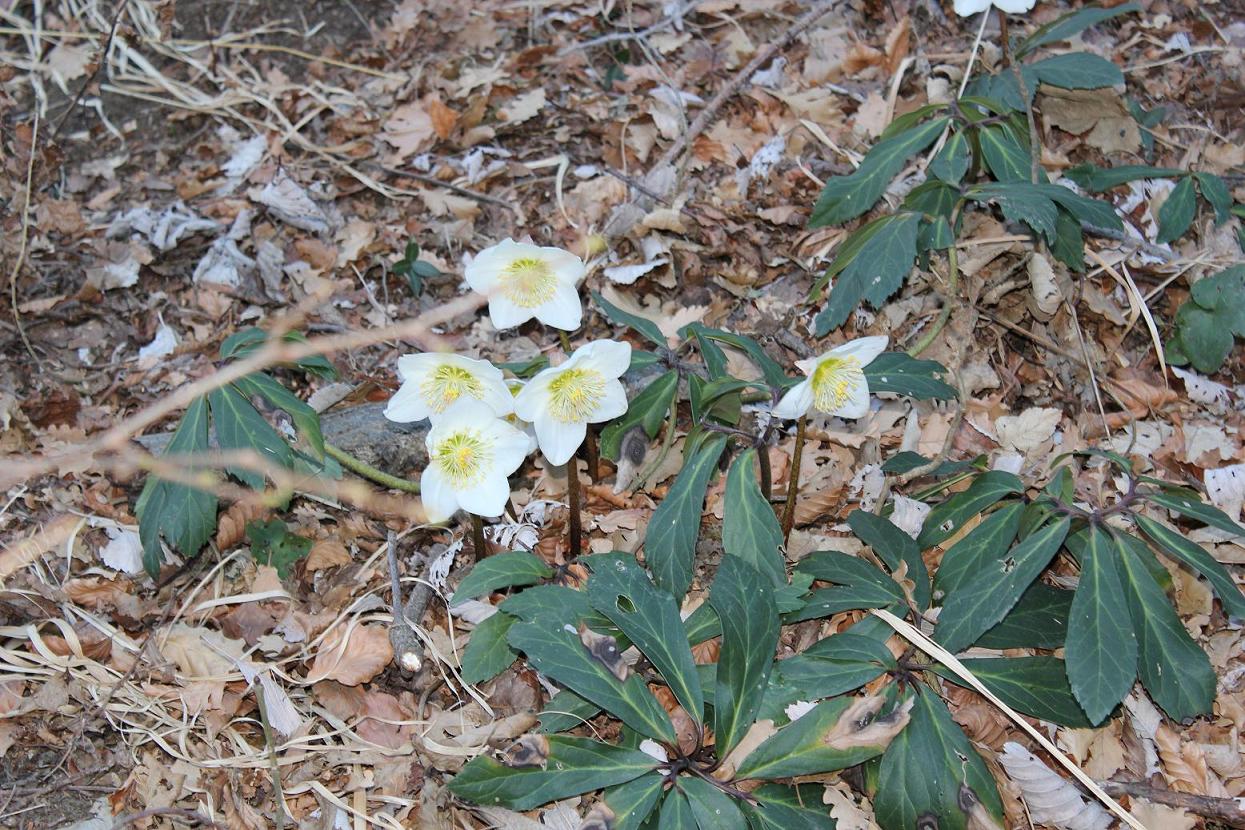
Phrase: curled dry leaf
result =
(352, 655)
(1045, 285)
(978, 817)
(858, 726)
(327, 553)
(528, 751)
(1184, 765)
(52, 535)
(1052, 800)
(600, 817)
(231, 526)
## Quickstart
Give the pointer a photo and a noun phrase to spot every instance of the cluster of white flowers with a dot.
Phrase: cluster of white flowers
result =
(483, 424)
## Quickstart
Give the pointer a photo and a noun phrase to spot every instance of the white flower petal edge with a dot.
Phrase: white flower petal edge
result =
(558, 441)
(470, 457)
(796, 403)
(967, 8)
(1015, 6)
(836, 383)
(523, 281)
(435, 383)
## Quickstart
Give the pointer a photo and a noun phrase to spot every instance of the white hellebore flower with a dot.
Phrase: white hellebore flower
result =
(469, 458)
(433, 383)
(968, 8)
(516, 386)
(561, 401)
(523, 281)
(836, 383)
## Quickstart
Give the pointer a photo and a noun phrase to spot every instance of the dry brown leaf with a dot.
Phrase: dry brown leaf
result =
(409, 129)
(1184, 765)
(201, 653)
(231, 526)
(52, 535)
(352, 655)
(327, 553)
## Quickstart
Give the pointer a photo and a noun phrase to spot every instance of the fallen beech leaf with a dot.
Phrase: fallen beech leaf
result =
(327, 553)
(352, 655)
(1052, 800)
(52, 535)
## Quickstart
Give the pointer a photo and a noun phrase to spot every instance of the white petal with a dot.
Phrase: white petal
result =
(864, 349)
(558, 441)
(568, 268)
(564, 311)
(809, 364)
(1015, 6)
(857, 403)
(484, 270)
(510, 446)
(613, 403)
(612, 358)
(967, 8)
(505, 314)
(440, 500)
(488, 498)
(797, 401)
(407, 404)
(497, 396)
(532, 399)
(416, 367)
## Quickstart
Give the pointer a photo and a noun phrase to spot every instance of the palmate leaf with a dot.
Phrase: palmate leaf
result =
(1036, 686)
(488, 653)
(870, 267)
(1187, 503)
(788, 808)
(949, 516)
(902, 374)
(649, 618)
(771, 369)
(1195, 556)
(952, 161)
(835, 665)
(1005, 151)
(503, 570)
(1076, 70)
(676, 813)
(239, 426)
(802, 748)
(306, 419)
(927, 770)
(1175, 672)
(670, 545)
(986, 597)
(553, 646)
(846, 197)
(750, 530)
(750, 627)
(186, 517)
(1038, 620)
(575, 766)
(1101, 647)
(857, 585)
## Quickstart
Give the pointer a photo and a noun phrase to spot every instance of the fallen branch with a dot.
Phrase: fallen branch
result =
(1230, 810)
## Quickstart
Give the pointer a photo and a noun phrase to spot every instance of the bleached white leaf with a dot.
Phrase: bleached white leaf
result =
(288, 201)
(1052, 800)
(1145, 719)
(1202, 389)
(124, 551)
(772, 75)
(163, 229)
(799, 709)
(654, 750)
(909, 515)
(1226, 488)
(439, 568)
(1044, 284)
(474, 611)
(627, 274)
(162, 345)
(245, 156)
(1029, 430)
(1008, 462)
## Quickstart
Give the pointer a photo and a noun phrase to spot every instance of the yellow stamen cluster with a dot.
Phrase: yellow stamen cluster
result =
(528, 282)
(833, 381)
(463, 457)
(447, 384)
(575, 394)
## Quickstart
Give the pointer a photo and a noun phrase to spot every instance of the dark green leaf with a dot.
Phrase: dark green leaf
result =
(813, 745)
(986, 597)
(548, 601)
(953, 159)
(1195, 556)
(1215, 192)
(487, 653)
(1095, 212)
(1034, 686)
(1006, 154)
(306, 420)
(871, 271)
(240, 427)
(633, 802)
(650, 619)
(846, 197)
(676, 813)
(750, 530)
(907, 461)
(1101, 648)
(575, 766)
(1175, 672)
(243, 343)
(670, 545)
(771, 369)
(788, 808)
(503, 570)
(1204, 339)
(186, 517)
(1224, 292)
(986, 542)
(934, 198)
(929, 771)
(835, 665)
(712, 808)
(554, 647)
(1188, 504)
(948, 517)
(1068, 246)
(750, 627)
(273, 544)
(935, 235)
(1039, 620)
(1097, 179)
(1177, 212)
(647, 409)
(1070, 25)
(1077, 70)
(565, 711)
(641, 326)
(843, 569)
(894, 547)
(903, 374)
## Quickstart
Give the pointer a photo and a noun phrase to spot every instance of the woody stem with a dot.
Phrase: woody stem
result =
(793, 485)
(477, 536)
(590, 453)
(572, 498)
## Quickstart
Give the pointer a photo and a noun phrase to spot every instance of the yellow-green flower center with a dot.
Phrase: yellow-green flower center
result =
(447, 384)
(834, 380)
(464, 458)
(528, 282)
(575, 394)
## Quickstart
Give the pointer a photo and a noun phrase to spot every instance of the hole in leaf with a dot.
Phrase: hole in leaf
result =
(624, 604)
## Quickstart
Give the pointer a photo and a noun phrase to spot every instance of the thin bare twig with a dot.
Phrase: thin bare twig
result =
(90, 79)
(1223, 809)
(615, 37)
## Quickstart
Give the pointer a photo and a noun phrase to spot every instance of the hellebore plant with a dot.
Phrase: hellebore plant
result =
(523, 281)
(434, 384)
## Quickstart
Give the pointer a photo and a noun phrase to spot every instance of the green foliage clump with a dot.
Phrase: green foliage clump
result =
(1208, 323)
